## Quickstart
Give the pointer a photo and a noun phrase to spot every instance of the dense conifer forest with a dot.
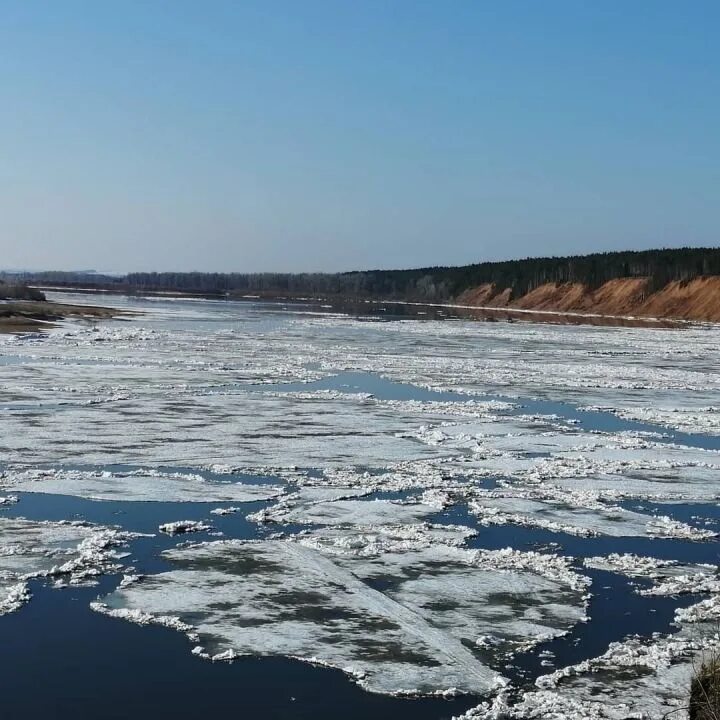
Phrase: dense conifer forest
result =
(429, 284)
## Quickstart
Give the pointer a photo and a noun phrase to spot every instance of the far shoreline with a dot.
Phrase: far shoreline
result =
(419, 310)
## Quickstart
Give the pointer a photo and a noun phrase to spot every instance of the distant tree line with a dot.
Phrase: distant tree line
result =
(444, 283)
(17, 291)
(424, 284)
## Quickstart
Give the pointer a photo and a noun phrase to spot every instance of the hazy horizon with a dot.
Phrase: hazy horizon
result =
(329, 137)
(120, 273)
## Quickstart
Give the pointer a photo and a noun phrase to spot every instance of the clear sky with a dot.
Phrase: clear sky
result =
(298, 135)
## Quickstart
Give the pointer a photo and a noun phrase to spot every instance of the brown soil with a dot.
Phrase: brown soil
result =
(697, 299)
(16, 317)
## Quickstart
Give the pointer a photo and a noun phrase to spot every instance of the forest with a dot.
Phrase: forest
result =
(423, 284)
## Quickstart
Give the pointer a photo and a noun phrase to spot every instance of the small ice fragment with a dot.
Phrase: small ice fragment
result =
(180, 527)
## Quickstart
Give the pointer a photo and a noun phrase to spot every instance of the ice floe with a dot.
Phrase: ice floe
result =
(69, 552)
(398, 621)
(181, 527)
(347, 512)
(225, 510)
(669, 577)
(641, 679)
(136, 485)
(576, 514)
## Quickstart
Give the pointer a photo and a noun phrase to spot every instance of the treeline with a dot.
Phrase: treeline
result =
(61, 278)
(444, 283)
(15, 291)
(426, 284)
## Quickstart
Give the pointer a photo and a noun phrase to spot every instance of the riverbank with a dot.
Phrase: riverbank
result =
(389, 308)
(693, 300)
(35, 316)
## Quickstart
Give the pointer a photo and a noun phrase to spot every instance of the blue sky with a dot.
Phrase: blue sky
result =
(319, 135)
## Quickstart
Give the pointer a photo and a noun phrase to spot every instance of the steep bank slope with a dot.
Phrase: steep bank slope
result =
(697, 299)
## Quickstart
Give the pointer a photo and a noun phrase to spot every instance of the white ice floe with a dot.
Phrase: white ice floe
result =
(310, 505)
(633, 565)
(661, 483)
(129, 579)
(347, 512)
(141, 618)
(398, 621)
(13, 595)
(70, 553)
(647, 679)
(191, 425)
(621, 465)
(136, 485)
(180, 527)
(544, 705)
(634, 679)
(627, 468)
(660, 669)
(574, 513)
(669, 577)
(444, 473)
(696, 418)
(706, 611)
(374, 540)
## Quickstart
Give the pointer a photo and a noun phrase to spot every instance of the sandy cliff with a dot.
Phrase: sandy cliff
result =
(697, 299)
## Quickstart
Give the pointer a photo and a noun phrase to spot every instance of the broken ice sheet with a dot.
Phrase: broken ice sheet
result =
(637, 676)
(182, 527)
(137, 485)
(627, 467)
(690, 414)
(643, 678)
(398, 622)
(71, 552)
(622, 465)
(544, 507)
(191, 425)
(296, 509)
(661, 483)
(669, 577)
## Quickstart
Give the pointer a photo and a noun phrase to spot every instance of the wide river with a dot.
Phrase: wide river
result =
(268, 510)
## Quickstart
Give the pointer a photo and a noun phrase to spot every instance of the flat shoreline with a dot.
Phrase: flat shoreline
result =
(25, 316)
